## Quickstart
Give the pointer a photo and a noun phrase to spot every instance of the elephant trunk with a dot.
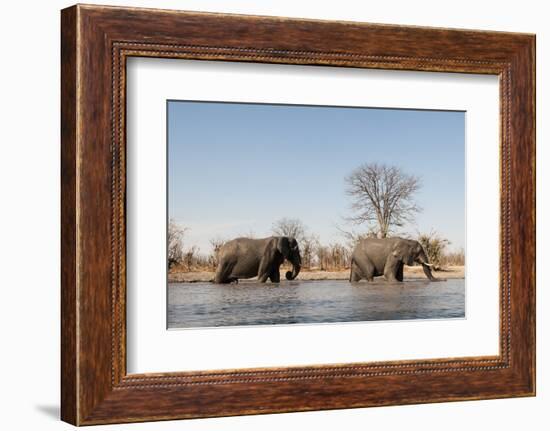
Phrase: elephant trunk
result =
(296, 265)
(428, 272)
(295, 271)
(423, 260)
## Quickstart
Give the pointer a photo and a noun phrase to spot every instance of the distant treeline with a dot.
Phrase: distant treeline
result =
(316, 256)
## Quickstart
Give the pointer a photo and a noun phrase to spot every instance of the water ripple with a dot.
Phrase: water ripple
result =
(193, 305)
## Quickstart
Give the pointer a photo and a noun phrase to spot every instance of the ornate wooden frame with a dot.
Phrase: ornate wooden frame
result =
(95, 43)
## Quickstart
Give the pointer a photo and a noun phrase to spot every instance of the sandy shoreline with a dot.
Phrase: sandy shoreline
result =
(409, 272)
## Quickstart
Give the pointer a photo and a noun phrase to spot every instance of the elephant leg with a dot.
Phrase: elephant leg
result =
(365, 268)
(223, 273)
(275, 276)
(355, 273)
(265, 269)
(263, 274)
(399, 275)
(391, 268)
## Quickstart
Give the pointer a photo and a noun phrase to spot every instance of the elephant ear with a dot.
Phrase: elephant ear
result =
(270, 250)
(283, 245)
(399, 256)
(403, 252)
(400, 252)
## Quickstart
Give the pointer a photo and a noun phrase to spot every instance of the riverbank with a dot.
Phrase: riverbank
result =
(408, 272)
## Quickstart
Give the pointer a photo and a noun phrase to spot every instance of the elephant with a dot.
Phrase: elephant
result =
(387, 256)
(247, 257)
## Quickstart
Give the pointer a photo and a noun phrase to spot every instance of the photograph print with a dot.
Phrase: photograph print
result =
(304, 214)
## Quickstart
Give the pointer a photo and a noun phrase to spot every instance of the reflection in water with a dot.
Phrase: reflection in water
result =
(251, 303)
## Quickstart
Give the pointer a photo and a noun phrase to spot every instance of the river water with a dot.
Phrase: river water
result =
(192, 305)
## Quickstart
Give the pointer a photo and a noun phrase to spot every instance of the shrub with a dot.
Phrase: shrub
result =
(434, 246)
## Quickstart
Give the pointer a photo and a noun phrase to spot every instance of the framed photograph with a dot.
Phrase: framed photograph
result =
(263, 214)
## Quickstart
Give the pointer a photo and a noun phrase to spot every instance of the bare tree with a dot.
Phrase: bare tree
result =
(216, 244)
(191, 257)
(339, 256)
(332, 257)
(308, 245)
(175, 243)
(292, 227)
(323, 257)
(382, 195)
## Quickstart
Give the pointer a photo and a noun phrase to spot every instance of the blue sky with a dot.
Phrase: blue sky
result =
(234, 168)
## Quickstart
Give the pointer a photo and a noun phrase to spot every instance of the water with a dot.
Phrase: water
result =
(192, 305)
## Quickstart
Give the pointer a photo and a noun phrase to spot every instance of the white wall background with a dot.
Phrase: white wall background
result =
(29, 220)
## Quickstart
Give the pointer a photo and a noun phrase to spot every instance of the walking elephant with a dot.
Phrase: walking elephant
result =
(387, 256)
(246, 258)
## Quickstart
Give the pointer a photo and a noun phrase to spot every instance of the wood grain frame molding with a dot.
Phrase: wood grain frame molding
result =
(95, 43)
